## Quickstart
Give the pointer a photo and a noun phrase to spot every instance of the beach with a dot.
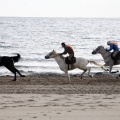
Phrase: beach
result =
(51, 97)
(58, 84)
(44, 96)
(58, 107)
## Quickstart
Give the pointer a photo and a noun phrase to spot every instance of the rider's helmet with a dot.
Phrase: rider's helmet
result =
(63, 44)
(108, 43)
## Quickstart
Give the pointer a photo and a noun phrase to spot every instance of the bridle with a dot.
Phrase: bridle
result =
(54, 55)
(98, 49)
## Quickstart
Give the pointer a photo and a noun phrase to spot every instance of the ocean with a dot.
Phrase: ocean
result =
(33, 38)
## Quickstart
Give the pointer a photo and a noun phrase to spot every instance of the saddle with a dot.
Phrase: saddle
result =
(115, 56)
(70, 62)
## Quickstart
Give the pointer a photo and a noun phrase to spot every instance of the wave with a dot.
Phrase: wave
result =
(95, 38)
(6, 46)
(33, 38)
(28, 70)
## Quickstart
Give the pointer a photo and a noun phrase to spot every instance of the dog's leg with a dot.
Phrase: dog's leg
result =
(19, 72)
(11, 68)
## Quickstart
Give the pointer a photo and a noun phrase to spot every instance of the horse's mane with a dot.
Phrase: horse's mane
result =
(105, 48)
(62, 57)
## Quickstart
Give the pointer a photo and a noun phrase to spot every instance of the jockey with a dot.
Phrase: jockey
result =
(114, 47)
(68, 49)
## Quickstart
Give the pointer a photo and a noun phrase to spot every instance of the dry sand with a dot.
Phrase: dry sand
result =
(59, 107)
(49, 97)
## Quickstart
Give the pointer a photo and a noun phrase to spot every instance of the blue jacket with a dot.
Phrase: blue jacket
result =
(113, 47)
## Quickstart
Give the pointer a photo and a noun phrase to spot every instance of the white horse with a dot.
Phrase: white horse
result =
(80, 63)
(106, 56)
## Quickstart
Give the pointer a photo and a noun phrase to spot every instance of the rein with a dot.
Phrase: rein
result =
(104, 53)
(106, 56)
(62, 57)
(59, 55)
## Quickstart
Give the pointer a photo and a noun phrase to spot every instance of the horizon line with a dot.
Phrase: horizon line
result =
(59, 17)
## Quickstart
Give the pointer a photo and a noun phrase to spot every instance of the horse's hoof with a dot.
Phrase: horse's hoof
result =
(14, 80)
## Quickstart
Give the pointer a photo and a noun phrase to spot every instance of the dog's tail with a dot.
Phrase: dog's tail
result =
(16, 58)
(96, 63)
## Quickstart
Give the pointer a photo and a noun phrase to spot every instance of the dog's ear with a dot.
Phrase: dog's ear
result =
(18, 55)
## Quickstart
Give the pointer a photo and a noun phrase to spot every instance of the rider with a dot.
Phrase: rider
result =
(114, 47)
(68, 49)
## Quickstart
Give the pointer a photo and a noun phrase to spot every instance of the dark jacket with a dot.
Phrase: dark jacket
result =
(113, 47)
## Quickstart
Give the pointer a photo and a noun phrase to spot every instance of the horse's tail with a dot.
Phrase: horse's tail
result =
(16, 58)
(95, 63)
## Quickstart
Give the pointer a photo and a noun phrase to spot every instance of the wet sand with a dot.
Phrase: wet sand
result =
(57, 84)
(50, 97)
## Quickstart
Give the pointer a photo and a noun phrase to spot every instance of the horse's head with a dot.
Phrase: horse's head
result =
(51, 55)
(99, 49)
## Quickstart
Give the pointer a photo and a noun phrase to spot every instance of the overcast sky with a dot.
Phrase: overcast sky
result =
(60, 8)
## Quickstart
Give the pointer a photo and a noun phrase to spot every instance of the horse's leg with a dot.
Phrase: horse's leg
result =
(110, 72)
(89, 68)
(67, 75)
(111, 66)
(83, 73)
(19, 72)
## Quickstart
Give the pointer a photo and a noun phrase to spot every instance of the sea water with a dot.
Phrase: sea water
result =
(33, 38)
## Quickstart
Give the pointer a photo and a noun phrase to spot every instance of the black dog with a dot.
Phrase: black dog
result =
(8, 62)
